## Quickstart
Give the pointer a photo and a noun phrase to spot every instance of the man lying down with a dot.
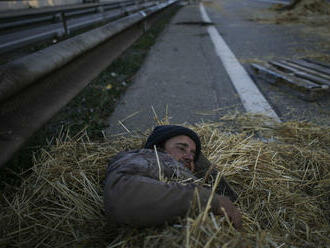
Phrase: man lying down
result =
(135, 195)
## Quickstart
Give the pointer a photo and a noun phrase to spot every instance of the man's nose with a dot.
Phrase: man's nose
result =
(189, 156)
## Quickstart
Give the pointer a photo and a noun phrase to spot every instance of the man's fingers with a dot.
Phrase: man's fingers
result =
(237, 220)
(230, 211)
(234, 216)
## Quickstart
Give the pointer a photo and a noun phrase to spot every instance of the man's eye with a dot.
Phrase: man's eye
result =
(181, 148)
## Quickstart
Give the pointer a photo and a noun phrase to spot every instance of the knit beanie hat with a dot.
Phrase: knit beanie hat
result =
(162, 133)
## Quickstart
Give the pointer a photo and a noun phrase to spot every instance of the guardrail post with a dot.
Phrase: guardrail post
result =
(100, 9)
(65, 26)
(122, 9)
(144, 22)
(57, 17)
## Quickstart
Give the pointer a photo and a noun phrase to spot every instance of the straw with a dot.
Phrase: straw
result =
(283, 189)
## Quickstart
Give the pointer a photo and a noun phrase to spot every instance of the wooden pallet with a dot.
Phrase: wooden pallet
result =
(307, 79)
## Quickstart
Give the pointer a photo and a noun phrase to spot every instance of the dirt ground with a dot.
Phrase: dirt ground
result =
(313, 14)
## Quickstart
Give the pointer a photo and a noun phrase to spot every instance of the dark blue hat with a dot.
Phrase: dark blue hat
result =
(162, 133)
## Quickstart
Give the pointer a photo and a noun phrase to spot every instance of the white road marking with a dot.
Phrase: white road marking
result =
(273, 1)
(252, 99)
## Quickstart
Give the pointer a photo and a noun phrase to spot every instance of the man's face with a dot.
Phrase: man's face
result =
(183, 149)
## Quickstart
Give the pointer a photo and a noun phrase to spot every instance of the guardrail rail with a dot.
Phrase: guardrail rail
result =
(69, 20)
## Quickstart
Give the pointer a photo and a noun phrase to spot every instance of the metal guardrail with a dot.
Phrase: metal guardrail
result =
(31, 91)
(68, 26)
(12, 15)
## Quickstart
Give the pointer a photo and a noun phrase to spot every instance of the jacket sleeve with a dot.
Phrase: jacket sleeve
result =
(205, 169)
(139, 200)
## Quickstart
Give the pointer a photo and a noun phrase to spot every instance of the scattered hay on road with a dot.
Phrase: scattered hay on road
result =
(283, 189)
(312, 12)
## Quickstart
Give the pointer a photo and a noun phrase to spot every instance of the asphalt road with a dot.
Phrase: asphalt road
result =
(179, 79)
(259, 41)
(183, 78)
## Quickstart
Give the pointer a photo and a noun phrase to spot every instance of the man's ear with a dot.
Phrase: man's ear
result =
(160, 149)
(161, 146)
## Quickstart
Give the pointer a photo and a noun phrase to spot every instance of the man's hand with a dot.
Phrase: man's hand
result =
(227, 208)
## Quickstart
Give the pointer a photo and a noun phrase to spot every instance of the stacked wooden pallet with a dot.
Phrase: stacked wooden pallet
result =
(309, 79)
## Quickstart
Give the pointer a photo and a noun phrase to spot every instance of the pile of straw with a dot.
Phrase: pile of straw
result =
(314, 12)
(283, 184)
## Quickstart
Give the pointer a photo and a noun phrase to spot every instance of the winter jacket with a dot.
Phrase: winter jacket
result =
(139, 192)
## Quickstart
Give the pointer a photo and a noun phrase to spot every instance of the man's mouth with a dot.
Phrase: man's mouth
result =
(186, 164)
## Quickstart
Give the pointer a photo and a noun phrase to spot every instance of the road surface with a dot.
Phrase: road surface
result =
(185, 79)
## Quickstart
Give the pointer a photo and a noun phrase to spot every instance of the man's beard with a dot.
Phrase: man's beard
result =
(186, 164)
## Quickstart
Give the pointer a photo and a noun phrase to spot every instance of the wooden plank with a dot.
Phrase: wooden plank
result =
(309, 70)
(316, 67)
(289, 67)
(323, 65)
(277, 77)
(303, 89)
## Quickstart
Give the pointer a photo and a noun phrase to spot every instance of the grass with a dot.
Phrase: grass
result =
(91, 107)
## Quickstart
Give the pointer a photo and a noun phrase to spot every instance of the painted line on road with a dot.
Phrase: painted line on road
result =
(273, 1)
(252, 99)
